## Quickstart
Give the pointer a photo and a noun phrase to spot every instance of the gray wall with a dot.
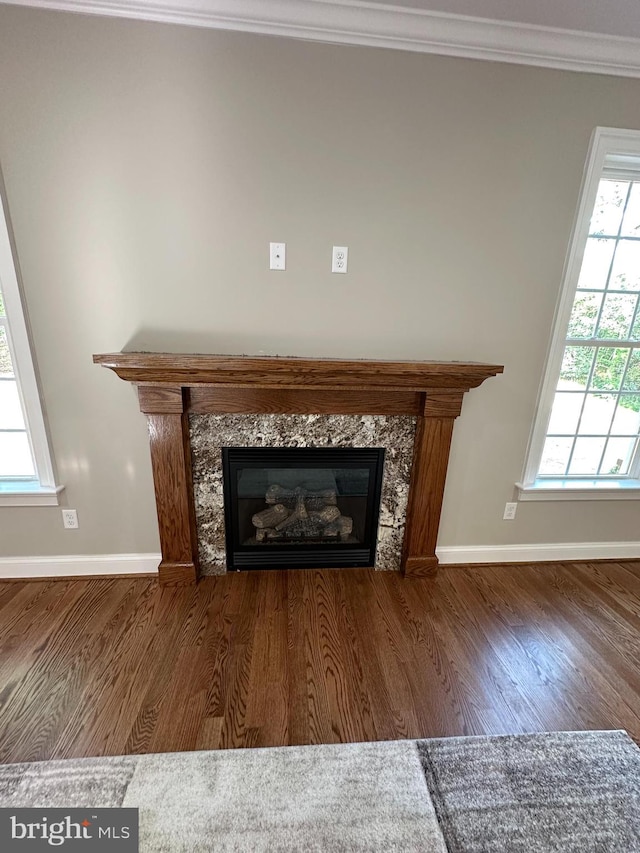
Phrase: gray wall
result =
(146, 169)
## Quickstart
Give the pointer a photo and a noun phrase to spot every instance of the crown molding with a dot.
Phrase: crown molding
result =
(388, 26)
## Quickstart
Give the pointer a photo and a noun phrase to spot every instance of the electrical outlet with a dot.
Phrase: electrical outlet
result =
(510, 511)
(277, 256)
(339, 259)
(70, 519)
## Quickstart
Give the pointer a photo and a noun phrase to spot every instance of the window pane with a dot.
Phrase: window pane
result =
(576, 366)
(627, 419)
(632, 379)
(625, 274)
(2, 311)
(597, 414)
(586, 456)
(617, 313)
(596, 263)
(586, 307)
(565, 413)
(15, 455)
(617, 456)
(6, 368)
(631, 223)
(594, 426)
(10, 409)
(555, 456)
(609, 207)
(609, 368)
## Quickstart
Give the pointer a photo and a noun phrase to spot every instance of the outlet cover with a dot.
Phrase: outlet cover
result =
(70, 519)
(339, 259)
(510, 511)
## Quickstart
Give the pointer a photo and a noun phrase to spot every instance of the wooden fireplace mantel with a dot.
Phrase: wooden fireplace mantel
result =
(173, 386)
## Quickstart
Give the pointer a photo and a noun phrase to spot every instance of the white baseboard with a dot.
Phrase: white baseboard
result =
(95, 565)
(539, 553)
(92, 565)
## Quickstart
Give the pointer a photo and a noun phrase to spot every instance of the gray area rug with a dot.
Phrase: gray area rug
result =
(570, 791)
(566, 792)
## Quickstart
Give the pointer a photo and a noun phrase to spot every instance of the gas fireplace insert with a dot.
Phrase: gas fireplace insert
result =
(301, 507)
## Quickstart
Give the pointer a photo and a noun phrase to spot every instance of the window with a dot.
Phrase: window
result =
(585, 441)
(16, 460)
(26, 473)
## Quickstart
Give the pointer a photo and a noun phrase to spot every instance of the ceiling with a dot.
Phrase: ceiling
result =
(577, 35)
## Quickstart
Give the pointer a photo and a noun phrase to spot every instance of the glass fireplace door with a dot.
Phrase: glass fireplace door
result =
(301, 507)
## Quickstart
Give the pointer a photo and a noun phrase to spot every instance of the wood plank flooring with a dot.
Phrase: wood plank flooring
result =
(115, 666)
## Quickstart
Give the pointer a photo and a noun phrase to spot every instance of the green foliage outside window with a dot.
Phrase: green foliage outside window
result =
(6, 368)
(607, 372)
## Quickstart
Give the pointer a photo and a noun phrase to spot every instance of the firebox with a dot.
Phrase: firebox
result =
(301, 507)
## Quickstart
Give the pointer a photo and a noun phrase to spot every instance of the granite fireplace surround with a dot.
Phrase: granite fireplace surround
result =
(196, 404)
(210, 433)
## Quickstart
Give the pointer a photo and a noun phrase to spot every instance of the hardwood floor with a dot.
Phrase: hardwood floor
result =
(105, 667)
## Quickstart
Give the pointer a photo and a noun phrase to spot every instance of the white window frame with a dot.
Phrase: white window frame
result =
(606, 144)
(42, 489)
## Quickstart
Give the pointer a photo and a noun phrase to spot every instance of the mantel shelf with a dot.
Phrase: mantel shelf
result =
(290, 372)
(173, 386)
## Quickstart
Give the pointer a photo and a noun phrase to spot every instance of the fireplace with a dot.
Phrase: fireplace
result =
(301, 507)
(175, 387)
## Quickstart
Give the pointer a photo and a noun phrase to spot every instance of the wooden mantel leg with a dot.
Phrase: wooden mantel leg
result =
(171, 463)
(434, 431)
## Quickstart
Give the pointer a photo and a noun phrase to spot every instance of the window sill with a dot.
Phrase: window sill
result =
(579, 490)
(28, 493)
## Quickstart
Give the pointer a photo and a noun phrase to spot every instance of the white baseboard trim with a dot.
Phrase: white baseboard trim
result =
(539, 553)
(95, 565)
(92, 565)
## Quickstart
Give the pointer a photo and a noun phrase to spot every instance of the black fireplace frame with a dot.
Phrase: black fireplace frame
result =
(339, 555)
